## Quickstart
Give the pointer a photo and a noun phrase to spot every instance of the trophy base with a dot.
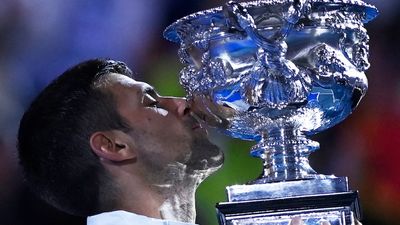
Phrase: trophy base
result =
(336, 208)
(313, 200)
(286, 189)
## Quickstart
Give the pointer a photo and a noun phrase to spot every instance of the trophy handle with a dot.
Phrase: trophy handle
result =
(272, 50)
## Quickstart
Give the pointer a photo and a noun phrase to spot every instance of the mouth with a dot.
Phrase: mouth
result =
(209, 114)
(198, 123)
(196, 126)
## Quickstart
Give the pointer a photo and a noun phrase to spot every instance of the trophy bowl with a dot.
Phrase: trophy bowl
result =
(276, 72)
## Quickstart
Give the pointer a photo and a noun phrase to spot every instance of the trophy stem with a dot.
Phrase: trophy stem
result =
(285, 152)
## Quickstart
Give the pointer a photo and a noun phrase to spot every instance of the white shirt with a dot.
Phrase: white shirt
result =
(127, 218)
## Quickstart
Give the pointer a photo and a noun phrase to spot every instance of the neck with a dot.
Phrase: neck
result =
(179, 201)
(170, 195)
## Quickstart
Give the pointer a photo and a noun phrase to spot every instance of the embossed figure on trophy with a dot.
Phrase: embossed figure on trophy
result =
(276, 81)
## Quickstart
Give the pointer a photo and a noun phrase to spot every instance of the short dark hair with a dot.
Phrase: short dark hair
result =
(54, 133)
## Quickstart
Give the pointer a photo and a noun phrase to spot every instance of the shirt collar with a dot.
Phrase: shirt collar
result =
(121, 217)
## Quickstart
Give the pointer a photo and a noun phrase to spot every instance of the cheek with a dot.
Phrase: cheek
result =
(162, 112)
(167, 127)
(164, 133)
(166, 150)
(175, 144)
(157, 112)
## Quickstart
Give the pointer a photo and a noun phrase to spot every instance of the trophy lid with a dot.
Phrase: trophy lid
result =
(214, 17)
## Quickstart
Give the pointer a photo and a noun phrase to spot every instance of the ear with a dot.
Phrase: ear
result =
(112, 145)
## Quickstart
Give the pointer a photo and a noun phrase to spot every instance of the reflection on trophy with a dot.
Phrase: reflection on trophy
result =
(277, 72)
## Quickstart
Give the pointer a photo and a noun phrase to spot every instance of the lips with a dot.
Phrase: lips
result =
(196, 126)
(208, 112)
(196, 122)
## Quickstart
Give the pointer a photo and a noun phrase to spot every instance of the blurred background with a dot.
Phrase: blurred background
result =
(39, 39)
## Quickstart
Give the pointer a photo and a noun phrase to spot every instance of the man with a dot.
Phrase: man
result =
(97, 143)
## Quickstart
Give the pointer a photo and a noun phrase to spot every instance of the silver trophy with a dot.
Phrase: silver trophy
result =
(278, 71)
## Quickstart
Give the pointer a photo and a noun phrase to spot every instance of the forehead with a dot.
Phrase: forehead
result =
(125, 88)
(125, 82)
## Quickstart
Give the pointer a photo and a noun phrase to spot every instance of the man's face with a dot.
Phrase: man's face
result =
(163, 130)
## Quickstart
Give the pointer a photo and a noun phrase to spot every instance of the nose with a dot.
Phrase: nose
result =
(178, 106)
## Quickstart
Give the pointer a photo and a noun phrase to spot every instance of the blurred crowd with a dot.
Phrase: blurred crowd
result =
(39, 39)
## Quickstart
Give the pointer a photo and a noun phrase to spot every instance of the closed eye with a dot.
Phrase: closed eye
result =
(150, 101)
(150, 97)
(154, 104)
